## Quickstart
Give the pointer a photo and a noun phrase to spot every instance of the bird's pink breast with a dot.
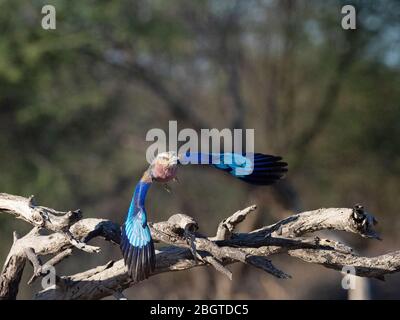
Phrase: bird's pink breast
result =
(163, 173)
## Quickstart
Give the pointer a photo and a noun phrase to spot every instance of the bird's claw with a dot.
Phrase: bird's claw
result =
(167, 188)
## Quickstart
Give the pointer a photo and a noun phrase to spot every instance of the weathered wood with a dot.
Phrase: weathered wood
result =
(187, 248)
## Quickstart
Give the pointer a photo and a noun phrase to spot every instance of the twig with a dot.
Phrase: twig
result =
(227, 225)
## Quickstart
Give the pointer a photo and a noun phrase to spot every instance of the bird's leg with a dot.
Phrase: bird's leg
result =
(167, 188)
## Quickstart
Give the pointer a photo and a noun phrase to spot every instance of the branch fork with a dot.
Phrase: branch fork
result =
(186, 247)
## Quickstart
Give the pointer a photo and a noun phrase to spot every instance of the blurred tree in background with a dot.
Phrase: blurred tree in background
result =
(76, 104)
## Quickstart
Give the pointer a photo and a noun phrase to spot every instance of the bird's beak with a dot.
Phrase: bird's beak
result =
(173, 160)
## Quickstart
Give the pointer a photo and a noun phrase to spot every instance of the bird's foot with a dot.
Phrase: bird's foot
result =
(167, 188)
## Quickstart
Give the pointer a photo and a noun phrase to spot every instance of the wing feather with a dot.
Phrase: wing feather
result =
(257, 168)
(137, 248)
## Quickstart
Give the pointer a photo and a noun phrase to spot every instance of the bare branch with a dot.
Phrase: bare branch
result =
(227, 226)
(12, 272)
(188, 249)
(26, 209)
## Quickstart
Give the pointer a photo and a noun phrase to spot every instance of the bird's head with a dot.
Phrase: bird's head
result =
(163, 167)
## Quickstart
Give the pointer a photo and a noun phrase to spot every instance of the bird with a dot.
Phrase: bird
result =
(136, 242)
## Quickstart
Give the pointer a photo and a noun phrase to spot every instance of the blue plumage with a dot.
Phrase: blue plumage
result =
(136, 242)
(256, 168)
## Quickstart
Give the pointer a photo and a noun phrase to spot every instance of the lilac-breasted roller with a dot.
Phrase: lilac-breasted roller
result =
(136, 242)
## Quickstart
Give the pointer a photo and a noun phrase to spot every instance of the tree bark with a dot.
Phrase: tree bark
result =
(187, 247)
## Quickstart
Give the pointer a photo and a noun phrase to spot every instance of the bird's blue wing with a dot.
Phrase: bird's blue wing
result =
(255, 168)
(266, 169)
(137, 246)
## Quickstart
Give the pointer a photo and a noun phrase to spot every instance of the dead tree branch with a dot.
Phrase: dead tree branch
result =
(187, 248)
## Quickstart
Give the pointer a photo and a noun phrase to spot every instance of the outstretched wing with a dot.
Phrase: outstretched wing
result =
(137, 246)
(257, 168)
